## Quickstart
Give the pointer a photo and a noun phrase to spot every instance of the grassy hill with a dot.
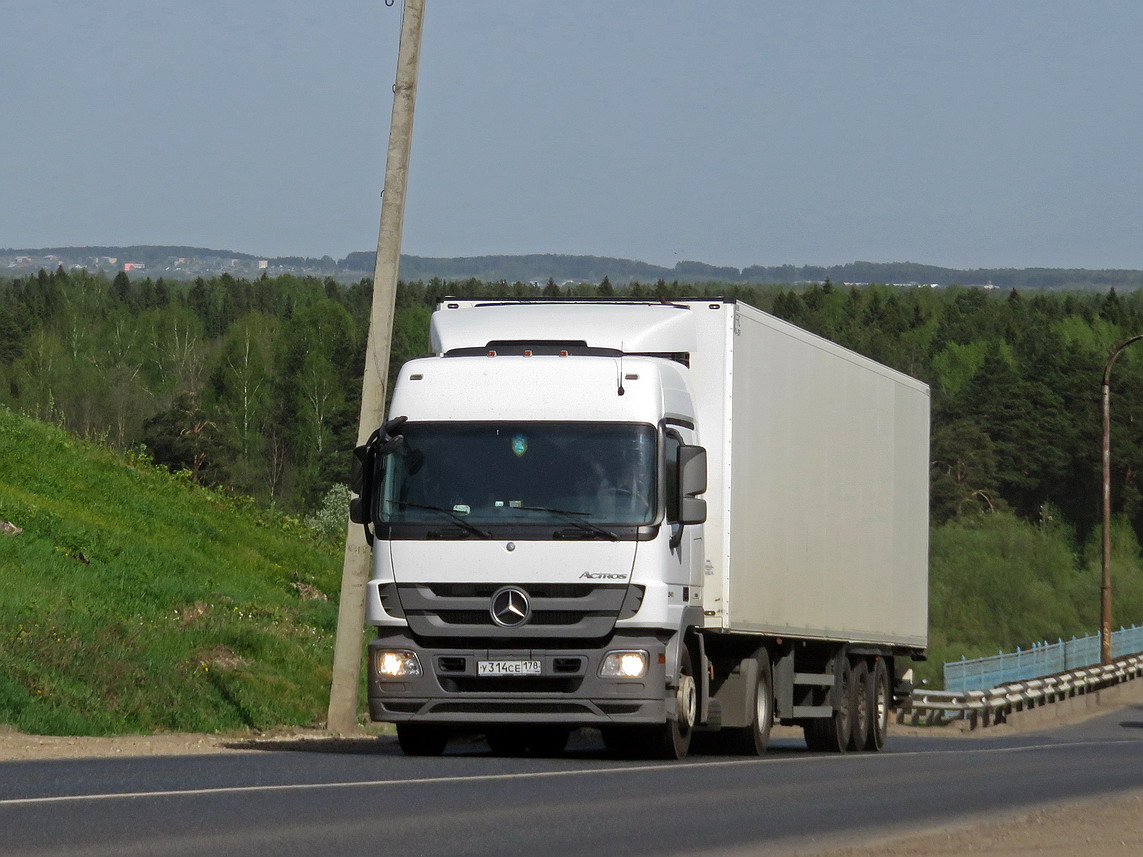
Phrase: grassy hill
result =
(136, 601)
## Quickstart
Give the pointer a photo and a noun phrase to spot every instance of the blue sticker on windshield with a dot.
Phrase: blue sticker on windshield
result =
(519, 445)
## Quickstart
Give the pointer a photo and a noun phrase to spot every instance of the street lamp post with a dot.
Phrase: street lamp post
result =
(1105, 588)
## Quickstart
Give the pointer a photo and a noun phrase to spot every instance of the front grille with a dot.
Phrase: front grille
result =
(558, 610)
(557, 617)
(465, 617)
(539, 617)
(536, 590)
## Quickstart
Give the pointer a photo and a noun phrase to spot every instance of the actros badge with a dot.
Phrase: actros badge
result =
(510, 607)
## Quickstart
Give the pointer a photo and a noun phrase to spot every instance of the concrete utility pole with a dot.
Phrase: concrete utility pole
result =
(342, 717)
(1105, 588)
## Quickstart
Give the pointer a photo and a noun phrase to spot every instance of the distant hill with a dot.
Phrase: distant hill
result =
(182, 262)
(539, 268)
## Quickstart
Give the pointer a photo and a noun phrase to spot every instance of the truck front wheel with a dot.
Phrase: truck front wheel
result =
(672, 740)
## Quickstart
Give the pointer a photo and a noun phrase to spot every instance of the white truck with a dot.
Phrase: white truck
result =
(658, 519)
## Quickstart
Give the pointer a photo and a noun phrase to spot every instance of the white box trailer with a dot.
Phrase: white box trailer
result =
(652, 518)
(817, 502)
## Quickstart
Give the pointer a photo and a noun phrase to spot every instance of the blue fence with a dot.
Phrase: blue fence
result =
(1040, 660)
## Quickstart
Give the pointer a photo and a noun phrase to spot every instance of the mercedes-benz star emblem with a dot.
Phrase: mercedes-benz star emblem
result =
(510, 607)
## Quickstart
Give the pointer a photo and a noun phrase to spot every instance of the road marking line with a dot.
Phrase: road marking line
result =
(477, 778)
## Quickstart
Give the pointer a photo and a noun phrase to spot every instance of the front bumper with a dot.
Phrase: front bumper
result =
(569, 689)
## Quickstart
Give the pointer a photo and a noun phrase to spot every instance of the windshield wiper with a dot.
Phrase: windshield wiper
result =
(449, 513)
(571, 517)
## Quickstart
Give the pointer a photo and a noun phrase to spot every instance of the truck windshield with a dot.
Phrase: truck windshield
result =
(570, 475)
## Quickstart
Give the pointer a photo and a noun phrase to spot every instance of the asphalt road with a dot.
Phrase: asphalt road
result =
(369, 799)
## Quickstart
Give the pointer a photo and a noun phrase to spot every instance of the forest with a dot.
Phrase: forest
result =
(253, 386)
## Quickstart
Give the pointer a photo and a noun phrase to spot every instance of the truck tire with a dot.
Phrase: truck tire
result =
(880, 702)
(832, 734)
(421, 739)
(862, 705)
(753, 740)
(672, 739)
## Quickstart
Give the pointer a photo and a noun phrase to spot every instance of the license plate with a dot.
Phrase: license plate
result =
(508, 668)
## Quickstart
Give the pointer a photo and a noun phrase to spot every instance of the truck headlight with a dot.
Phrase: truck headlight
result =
(624, 665)
(398, 664)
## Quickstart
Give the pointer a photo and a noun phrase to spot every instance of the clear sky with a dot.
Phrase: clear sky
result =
(966, 133)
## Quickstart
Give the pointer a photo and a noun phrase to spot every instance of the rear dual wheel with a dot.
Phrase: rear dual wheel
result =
(861, 705)
(861, 721)
(832, 734)
(881, 702)
(872, 704)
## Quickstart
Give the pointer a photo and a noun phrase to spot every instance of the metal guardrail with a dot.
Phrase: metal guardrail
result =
(1043, 659)
(993, 706)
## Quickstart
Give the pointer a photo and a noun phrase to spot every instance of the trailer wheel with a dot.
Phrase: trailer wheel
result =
(672, 740)
(752, 740)
(862, 705)
(879, 705)
(832, 734)
(421, 739)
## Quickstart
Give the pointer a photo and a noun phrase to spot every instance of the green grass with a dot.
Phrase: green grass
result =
(185, 615)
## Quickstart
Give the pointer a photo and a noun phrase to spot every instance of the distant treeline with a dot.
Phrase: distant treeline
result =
(563, 268)
(256, 383)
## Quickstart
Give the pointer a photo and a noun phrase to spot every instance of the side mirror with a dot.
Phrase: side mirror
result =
(363, 471)
(360, 479)
(357, 510)
(692, 481)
